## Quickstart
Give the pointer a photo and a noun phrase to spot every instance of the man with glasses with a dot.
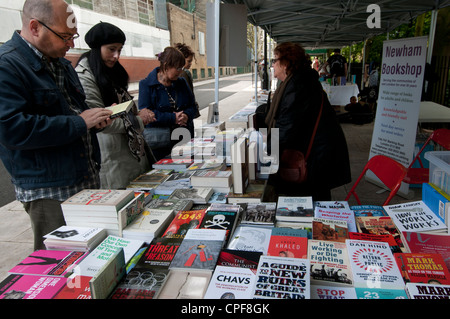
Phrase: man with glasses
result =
(48, 138)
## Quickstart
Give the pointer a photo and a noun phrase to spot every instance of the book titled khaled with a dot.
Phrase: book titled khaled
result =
(59, 263)
(292, 243)
(31, 287)
(373, 265)
(231, 283)
(330, 264)
(282, 278)
(415, 216)
(105, 203)
(199, 250)
(298, 209)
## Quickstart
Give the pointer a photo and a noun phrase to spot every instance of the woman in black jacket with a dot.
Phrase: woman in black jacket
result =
(294, 110)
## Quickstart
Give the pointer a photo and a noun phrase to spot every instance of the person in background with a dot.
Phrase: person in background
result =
(294, 110)
(337, 64)
(189, 55)
(48, 140)
(105, 82)
(169, 97)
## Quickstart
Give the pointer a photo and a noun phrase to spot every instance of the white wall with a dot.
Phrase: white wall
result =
(142, 40)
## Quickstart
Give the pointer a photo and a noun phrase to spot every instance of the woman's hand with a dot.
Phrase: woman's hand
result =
(147, 116)
(181, 118)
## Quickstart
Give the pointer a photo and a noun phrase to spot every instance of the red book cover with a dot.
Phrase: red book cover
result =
(184, 220)
(77, 287)
(372, 237)
(288, 246)
(423, 268)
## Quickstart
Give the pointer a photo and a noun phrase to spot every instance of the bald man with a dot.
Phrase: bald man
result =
(48, 137)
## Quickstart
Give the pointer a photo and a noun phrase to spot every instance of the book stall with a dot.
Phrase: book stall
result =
(203, 224)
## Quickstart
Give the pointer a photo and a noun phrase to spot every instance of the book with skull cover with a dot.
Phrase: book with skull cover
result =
(218, 219)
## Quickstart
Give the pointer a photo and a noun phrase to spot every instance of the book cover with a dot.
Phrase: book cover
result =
(387, 238)
(368, 210)
(17, 286)
(239, 258)
(218, 219)
(328, 229)
(155, 179)
(177, 164)
(77, 287)
(149, 224)
(74, 238)
(98, 200)
(373, 265)
(414, 216)
(332, 204)
(108, 276)
(199, 250)
(295, 209)
(427, 291)
(250, 238)
(282, 278)
(120, 109)
(49, 263)
(260, 214)
(380, 225)
(160, 253)
(330, 264)
(141, 283)
(330, 292)
(346, 215)
(380, 293)
(231, 283)
(287, 244)
(423, 268)
(437, 200)
(130, 212)
(92, 264)
(199, 195)
(207, 178)
(429, 244)
(170, 204)
(183, 221)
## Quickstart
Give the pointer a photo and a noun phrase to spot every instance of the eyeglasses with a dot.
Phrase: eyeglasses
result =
(65, 39)
(274, 60)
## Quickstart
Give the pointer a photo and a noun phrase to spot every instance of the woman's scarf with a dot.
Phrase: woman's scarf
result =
(274, 104)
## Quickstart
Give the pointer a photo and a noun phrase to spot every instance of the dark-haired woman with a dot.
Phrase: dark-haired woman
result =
(294, 110)
(166, 94)
(105, 82)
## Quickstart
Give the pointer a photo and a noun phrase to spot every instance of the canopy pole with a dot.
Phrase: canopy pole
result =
(256, 63)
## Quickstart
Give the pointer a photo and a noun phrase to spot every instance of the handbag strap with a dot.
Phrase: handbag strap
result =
(315, 130)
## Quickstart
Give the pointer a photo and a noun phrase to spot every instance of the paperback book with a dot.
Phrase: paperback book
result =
(199, 250)
(17, 286)
(250, 238)
(427, 291)
(199, 195)
(298, 209)
(288, 243)
(74, 238)
(282, 278)
(380, 225)
(239, 258)
(59, 263)
(218, 219)
(368, 210)
(387, 238)
(329, 229)
(346, 215)
(160, 253)
(149, 224)
(183, 221)
(330, 264)
(373, 265)
(260, 214)
(231, 283)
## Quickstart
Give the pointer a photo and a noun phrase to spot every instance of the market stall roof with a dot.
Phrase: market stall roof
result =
(331, 23)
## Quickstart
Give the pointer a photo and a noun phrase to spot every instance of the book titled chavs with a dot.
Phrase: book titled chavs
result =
(231, 283)
(282, 278)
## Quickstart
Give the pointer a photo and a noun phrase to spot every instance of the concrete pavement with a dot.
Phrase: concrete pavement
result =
(16, 238)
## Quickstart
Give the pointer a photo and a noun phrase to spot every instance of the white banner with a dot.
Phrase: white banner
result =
(402, 72)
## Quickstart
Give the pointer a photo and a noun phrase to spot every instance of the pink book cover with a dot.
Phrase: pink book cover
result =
(31, 287)
(48, 262)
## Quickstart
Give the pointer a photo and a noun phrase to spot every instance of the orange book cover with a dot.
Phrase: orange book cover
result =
(423, 268)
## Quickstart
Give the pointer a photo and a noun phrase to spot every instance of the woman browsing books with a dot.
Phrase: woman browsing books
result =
(124, 153)
(167, 94)
(294, 111)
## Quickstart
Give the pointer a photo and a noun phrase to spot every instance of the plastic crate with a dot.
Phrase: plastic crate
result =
(439, 169)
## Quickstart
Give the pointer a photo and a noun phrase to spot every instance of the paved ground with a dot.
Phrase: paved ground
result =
(16, 240)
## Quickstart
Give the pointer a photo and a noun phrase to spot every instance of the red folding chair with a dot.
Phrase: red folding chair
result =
(389, 171)
(419, 175)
